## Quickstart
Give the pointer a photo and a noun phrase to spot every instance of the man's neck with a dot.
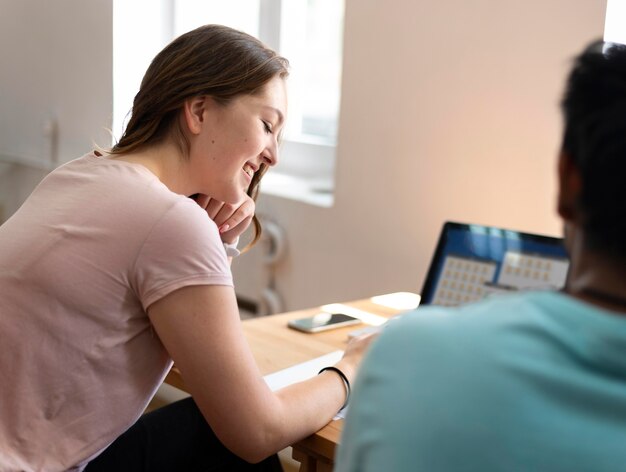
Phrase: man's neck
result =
(595, 277)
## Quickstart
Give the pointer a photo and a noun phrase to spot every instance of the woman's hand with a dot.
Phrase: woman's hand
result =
(231, 219)
(355, 350)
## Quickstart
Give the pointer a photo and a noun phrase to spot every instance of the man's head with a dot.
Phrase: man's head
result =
(593, 160)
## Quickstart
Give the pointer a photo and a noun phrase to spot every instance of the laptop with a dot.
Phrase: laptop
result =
(472, 262)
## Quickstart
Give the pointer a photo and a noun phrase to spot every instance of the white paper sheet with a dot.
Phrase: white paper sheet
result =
(303, 371)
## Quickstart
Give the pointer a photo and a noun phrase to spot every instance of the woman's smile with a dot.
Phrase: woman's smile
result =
(249, 170)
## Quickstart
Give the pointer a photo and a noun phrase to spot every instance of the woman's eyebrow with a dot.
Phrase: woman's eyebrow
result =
(281, 117)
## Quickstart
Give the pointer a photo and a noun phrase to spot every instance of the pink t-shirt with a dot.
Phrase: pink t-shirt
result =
(95, 244)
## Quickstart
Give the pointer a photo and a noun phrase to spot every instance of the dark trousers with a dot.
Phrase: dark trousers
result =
(175, 437)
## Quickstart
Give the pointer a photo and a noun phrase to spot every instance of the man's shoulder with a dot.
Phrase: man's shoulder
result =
(479, 325)
(486, 311)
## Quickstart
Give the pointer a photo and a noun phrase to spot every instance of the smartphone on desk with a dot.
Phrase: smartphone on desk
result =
(322, 322)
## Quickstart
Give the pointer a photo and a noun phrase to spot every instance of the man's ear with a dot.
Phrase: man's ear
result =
(193, 113)
(570, 187)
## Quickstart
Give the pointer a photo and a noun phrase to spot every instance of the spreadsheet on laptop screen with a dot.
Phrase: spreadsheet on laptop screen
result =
(472, 262)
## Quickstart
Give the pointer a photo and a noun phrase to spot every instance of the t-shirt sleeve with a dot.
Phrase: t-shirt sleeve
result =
(182, 249)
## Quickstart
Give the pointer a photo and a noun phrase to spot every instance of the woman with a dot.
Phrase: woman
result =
(109, 271)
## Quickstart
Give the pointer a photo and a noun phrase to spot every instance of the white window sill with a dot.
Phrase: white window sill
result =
(305, 173)
(317, 191)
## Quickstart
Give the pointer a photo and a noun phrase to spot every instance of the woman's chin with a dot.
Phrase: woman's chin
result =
(233, 198)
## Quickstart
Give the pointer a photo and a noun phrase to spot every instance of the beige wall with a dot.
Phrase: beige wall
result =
(449, 111)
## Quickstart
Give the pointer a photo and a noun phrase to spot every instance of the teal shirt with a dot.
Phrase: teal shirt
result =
(530, 382)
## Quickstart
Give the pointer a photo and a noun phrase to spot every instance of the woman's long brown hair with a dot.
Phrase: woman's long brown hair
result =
(212, 60)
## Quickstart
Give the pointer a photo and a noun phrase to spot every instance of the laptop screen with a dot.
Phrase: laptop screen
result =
(473, 261)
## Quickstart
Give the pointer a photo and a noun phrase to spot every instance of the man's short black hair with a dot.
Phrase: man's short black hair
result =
(594, 108)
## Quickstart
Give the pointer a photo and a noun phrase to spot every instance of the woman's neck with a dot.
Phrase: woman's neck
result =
(166, 163)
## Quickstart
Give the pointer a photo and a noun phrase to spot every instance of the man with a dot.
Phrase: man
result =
(533, 381)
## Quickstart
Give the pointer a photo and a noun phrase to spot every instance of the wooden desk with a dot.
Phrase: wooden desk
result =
(276, 347)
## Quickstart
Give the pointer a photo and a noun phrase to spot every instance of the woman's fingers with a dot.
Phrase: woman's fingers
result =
(202, 200)
(214, 207)
(231, 219)
(238, 221)
(217, 211)
(232, 216)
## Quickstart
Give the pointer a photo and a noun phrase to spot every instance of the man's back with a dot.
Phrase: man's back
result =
(526, 382)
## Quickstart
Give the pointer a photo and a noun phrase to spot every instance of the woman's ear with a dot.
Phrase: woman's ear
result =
(193, 113)
(570, 187)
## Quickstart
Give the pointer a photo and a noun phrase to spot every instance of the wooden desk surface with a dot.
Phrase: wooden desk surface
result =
(276, 347)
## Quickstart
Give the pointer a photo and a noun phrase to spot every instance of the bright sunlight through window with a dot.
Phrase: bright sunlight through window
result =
(614, 30)
(307, 32)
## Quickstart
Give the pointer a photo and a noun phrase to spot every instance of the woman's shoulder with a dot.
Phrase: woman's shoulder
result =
(125, 184)
(102, 192)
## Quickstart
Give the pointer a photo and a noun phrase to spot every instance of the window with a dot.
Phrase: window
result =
(614, 21)
(308, 32)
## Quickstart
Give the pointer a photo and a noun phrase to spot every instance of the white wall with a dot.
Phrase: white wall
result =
(449, 111)
(56, 63)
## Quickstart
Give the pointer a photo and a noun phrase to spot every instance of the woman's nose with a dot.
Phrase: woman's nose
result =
(270, 156)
